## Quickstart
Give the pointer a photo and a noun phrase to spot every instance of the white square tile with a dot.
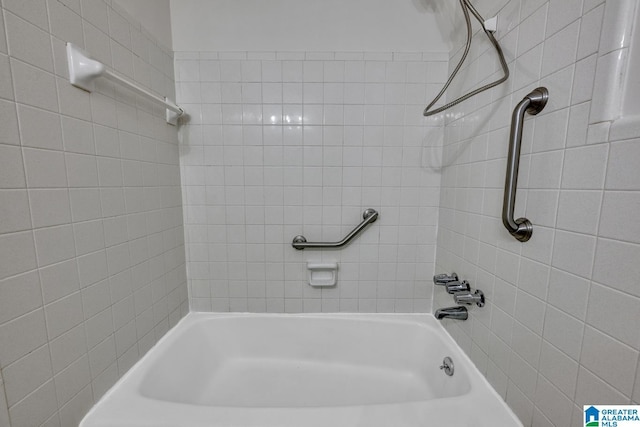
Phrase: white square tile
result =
(209, 71)
(11, 170)
(615, 265)
(39, 128)
(33, 11)
(568, 293)
(85, 204)
(272, 93)
(590, 32)
(546, 170)
(579, 211)
(559, 83)
(578, 125)
(541, 206)
(92, 268)
(530, 33)
(66, 23)
(45, 168)
(550, 131)
(27, 374)
(110, 172)
(10, 123)
(334, 71)
(621, 175)
(292, 71)
(188, 71)
(119, 28)
(623, 312)
(526, 345)
(18, 252)
(584, 80)
(396, 72)
(598, 133)
(551, 402)
(591, 388)
(523, 375)
(620, 360)
(70, 381)
(530, 311)
(210, 93)
(77, 407)
(28, 43)
(37, 407)
(375, 71)
(561, 13)
(619, 208)
(102, 356)
(34, 86)
(67, 348)
(354, 71)
(78, 136)
(14, 209)
(54, 244)
(566, 257)
(251, 71)
(59, 280)
(272, 71)
(82, 170)
(20, 295)
(584, 168)
(26, 333)
(313, 71)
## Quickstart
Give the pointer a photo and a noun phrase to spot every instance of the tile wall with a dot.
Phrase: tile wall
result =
(560, 329)
(280, 144)
(91, 234)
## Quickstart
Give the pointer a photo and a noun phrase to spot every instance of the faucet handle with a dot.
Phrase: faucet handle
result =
(469, 298)
(453, 287)
(443, 279)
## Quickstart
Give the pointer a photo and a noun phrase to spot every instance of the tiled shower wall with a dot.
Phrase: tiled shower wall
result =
(281, 144)
(91, 235)
(560, 327)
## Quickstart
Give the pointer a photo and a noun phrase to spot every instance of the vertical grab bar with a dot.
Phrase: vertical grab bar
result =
(533, 103)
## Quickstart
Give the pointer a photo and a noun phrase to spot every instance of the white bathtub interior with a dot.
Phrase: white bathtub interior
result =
(300, 362)
(302, 370)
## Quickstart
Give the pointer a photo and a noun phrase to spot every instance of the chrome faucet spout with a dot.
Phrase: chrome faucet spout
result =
(458, 313)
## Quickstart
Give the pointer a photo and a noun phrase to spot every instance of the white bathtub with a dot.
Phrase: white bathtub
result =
(257, 370)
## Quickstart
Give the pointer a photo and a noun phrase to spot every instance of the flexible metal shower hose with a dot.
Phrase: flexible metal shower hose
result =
(466, 7)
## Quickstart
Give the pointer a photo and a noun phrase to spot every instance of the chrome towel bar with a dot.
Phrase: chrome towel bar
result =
(533, 103)
(368, 216)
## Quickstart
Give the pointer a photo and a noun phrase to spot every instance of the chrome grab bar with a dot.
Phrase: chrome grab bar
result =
(368, 216)
(533, 103)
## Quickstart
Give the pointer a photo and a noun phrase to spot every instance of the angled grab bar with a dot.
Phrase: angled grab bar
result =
(368, 216)
(533, 103)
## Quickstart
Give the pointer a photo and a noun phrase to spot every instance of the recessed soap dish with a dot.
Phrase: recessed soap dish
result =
(322, 274)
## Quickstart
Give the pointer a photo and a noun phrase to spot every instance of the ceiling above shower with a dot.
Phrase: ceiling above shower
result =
(304, 25)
